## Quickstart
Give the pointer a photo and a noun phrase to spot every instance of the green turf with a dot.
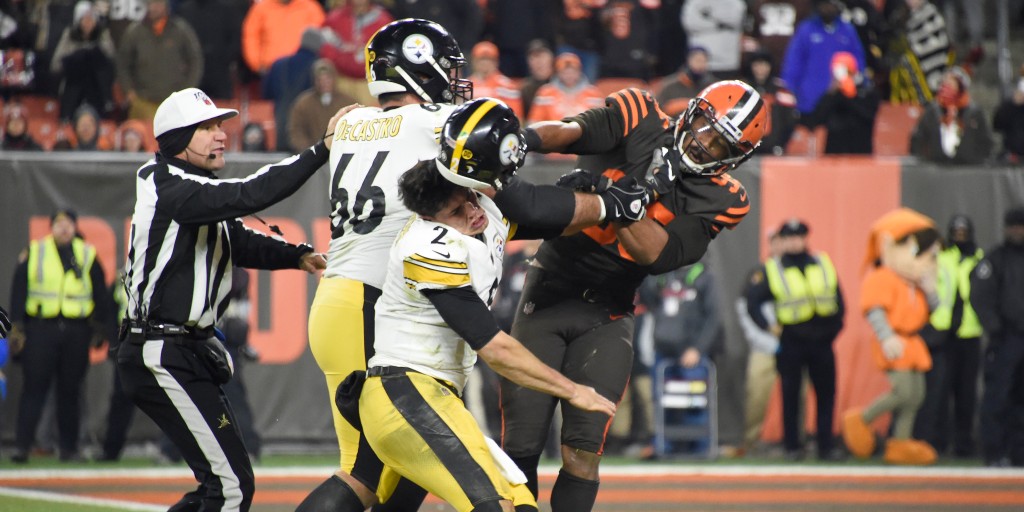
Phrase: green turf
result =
(9, 504)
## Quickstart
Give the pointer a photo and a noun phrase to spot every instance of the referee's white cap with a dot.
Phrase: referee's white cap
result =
(186, 108)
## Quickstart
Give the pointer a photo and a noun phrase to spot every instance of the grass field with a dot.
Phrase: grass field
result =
(627, 486)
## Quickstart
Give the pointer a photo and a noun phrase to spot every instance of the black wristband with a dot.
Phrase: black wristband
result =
(532, 138)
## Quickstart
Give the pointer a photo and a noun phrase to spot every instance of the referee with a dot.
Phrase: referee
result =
(186, 235)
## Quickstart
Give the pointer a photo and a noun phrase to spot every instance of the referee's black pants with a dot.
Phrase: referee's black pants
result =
(56, 350)
(166, 380)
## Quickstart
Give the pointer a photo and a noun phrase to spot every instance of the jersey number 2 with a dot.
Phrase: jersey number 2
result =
(361, 222)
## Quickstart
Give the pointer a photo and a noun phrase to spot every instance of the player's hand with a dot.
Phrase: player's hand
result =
(312, 262)
(892, 347)
(776, 330)
(690, 358)
(329, 134)
(625, 201)
(659, 178)
(586, 398)
(582, 180)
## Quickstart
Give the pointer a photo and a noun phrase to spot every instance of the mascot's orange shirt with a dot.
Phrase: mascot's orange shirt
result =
(906, 308)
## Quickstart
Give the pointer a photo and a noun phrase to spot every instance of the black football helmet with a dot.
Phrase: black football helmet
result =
(417, 56)
(481, 145)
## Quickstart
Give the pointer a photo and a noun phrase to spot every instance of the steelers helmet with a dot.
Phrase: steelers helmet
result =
(732, 109)
(416, 56)
(481, 145)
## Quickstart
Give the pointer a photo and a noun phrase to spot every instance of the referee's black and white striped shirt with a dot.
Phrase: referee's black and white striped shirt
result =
(186, 235)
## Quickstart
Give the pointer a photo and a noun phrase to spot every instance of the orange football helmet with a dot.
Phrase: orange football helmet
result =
(736, 113)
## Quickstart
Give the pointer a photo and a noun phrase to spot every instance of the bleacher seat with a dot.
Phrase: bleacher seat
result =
(610, 85)
(39, 107)
(44, 130)
(893, 127)
(805, 142)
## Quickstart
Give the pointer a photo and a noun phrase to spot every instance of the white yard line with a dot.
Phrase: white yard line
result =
(79, 500)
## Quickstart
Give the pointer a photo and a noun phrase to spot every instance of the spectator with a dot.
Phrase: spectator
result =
(488, 82)
(973, 15)
(763, 347)
(568, 93)
(85, 132)
(218, 27)
(254, 138)
(121, 14)
(315, 106)
(921, 52)
(670, 37)
(897, 293)
(50, 18)
(775, 22)
(64, 310)
(627, 47)
(848, 109)
(121, 410)
(464, 19)
(1009, 121)
(760, 74)
(131, 137)
(288, 77)
(349, 26)
(16, 136)
(84, 59)
(235, 325)
(717, 25)
(953, 337)
(687, 332)
(18, 30)
(997, 293)
(809, 55)
(157, 56)
(687, 82)
(578, 32)
(273, 29)
(952, 129)
(864, 16)
(809, 315)
(541, 62)
(514, 23)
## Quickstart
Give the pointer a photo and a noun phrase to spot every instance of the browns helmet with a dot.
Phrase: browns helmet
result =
(416, 56)
(736, 112)
(481, 145)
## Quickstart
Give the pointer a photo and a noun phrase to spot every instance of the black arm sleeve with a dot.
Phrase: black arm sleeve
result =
(467, 315)
(252, 249)
(688, 239)
(757, 293)
(19, 292)
(541, 211)
(191, 201)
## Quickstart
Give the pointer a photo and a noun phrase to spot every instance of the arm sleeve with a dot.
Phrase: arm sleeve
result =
(467, 315)
(688, 239)
(252, 249)
(605, 127)
(191, 200)
(541, 211)
(757, 294)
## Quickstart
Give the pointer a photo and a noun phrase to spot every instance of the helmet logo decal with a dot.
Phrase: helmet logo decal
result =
(417, 48)
(508, 149)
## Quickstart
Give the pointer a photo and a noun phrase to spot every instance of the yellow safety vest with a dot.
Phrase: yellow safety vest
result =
(801, 295)
(51, 290)
(955, 278)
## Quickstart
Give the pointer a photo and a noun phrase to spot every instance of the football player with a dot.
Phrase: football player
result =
(412, 69)
(576, 311)
(433, 321)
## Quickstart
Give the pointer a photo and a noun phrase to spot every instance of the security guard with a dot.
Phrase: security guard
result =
(954, 340)
(809, 308)
(60, 304)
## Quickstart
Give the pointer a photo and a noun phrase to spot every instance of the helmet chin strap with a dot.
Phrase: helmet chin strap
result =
(415, 86)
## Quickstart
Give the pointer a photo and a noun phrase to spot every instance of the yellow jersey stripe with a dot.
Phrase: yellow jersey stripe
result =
(418, 274)
(423, 260)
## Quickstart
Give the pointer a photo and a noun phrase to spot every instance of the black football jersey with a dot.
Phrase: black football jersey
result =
(620, 139)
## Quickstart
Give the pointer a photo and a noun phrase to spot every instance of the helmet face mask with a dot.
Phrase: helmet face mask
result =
(481, 145)
(720, 129)
(419, 57)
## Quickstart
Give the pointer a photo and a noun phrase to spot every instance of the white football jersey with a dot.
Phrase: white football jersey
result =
(372, 148)
(432, 256)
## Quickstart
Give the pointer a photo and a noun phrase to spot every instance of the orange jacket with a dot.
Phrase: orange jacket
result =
(272, 30)
(498, 86)
(906, 308)
(553, 103)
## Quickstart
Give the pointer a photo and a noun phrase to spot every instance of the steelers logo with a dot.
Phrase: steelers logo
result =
(417, 48)
(508, 150)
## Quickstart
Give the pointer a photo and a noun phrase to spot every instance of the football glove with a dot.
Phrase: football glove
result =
(625, 200)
